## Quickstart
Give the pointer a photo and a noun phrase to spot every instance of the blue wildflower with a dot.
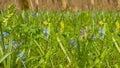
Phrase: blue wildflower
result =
(114, 30)
(71, 41)
(13, 43)
(46, 32)
(32, 14)
(24, 57)
(27, 13)
(5, 34)
(19, 44)
(5, 46)
(102, 35)
(58, 31)
(16, 45)
(101, 31)
(46, 35)
(20, 54)
(94, 36)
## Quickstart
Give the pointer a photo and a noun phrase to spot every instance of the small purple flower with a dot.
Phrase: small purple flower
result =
(101, 31)
(20, 54)
(47, 35)
(94, 36)
(5, 34)
(114, 30)
(32, 14)
(13, 43)
(46, 32)
(16, 45)
(58, 31)
(5, 46)
(24, 57)
(19, 44)
(102, 35)
(71, 41)
(27, 13)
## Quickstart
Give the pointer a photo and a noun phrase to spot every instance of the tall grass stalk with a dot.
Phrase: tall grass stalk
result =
(63, 49)
(116, 44)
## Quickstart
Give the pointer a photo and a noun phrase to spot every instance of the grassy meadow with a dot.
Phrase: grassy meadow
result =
(59, 39)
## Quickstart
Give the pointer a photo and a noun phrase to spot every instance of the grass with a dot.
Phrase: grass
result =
(84, 39)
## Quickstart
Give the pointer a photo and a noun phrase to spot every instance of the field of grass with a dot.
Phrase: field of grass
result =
(84, 39)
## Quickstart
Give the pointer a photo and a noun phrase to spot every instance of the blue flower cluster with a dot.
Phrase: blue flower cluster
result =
(14, 44)
(22, 56)
(102, 33)
(46, 32)
(5, 34)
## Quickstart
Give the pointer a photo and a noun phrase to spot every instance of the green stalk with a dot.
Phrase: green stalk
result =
(2, 34)
(5, 56)
(39, 46)
(4, 63)
(64, 51)
(116, 44)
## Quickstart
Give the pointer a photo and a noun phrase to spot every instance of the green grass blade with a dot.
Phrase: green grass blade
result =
(39, 46)
(116, 45)
(63, 49)
(5, 56)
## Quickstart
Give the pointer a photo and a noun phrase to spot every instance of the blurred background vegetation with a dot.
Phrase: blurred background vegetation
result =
(73, 5)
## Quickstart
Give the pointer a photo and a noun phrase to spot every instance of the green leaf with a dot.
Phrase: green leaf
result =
(5, 56)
